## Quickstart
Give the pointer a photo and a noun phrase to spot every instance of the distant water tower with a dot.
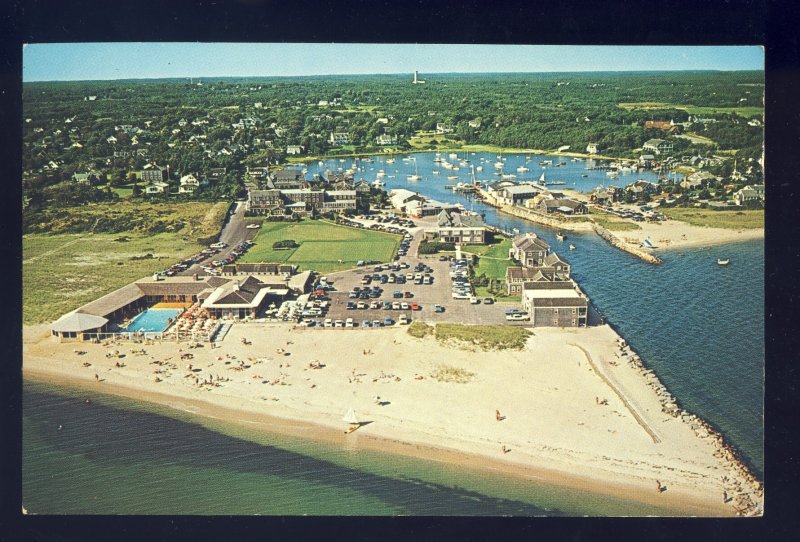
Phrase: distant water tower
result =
(417, 80)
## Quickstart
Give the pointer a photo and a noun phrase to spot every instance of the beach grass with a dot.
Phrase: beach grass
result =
(62, 272)
(324, 246)
(727, 219)
(420, 329)
(446, 373)
(483, 337)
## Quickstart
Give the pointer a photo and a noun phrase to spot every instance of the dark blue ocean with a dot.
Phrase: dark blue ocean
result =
(698, 325)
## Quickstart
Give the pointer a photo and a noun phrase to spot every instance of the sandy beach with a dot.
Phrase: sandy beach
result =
(577, 409)
(673, 234)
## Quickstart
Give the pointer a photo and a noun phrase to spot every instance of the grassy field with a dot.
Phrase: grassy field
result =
(483, 337)
(324, 247)
(62, 272)
(744, 111)
(732, 220)
(65, 265)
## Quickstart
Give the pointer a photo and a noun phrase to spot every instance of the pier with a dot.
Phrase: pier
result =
(613, 240)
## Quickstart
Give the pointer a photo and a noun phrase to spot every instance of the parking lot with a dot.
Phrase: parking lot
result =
(425, 295)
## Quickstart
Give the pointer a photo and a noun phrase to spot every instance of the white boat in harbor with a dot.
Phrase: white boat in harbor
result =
(381, 173)
(508, 176)
(415, 176)
(390, 160)
(479, 168)
(560, 236)
(452, 177)
(721, 261)
(435, 171)
(453, 156)
(377, 183)
(499, 165)
(572, 247)
(522, 169)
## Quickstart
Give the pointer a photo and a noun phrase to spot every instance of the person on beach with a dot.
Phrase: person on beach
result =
(97, 377)
(498, 416)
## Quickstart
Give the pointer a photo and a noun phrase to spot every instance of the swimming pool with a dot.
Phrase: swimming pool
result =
(153, 319)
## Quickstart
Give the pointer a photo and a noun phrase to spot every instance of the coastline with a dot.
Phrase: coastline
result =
(588, 456)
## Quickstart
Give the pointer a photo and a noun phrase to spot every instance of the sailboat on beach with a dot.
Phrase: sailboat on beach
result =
(351, 418)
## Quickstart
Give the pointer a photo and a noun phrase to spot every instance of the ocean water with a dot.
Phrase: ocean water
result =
(698, 325)
(113, 456)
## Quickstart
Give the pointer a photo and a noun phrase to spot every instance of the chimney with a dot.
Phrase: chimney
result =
(196, 276)
(236, 286)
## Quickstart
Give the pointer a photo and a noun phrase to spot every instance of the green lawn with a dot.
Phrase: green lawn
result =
(494, 260)
(324, 247)
(62, 272)
(729, 219)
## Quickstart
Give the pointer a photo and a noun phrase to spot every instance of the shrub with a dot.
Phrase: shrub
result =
(286, 244)
(432, 247)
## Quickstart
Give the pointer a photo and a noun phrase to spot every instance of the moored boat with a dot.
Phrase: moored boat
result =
(560, 236)
(572, 247)
(721, 261)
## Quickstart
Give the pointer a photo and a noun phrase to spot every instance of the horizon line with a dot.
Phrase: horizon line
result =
(695, 70)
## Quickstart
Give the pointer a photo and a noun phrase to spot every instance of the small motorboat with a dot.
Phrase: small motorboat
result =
(560, 236)
(725, 261)
(572, 247)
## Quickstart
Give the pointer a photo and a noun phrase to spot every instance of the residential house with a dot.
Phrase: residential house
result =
(529, 250)
(442, 128)
(257, 172)
(386, 139)
(593, 148)
(217, 172)
(749, 193)
(641, 187)
(189, 184)
(563, 205)
(552, 269)
(85, 178)
(657, 146)
(555, 304)
(156, 187)
(339, 138)
(698, 179)
(402, 198)
(295, 149)
(605, 196)
(476, 123)
(453, 227)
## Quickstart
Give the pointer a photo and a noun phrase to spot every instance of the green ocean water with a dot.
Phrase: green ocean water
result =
(114, 456)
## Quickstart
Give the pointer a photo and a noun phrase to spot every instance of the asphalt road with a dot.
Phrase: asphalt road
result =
(233, 233)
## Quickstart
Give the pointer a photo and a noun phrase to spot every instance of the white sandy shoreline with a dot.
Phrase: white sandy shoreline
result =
(549, 393)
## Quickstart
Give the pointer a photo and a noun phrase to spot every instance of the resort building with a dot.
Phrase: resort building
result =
(338, 200)
(401, 198)
(553, 269)
(460, 227)
(153, 173)
(555, 304)
(117, 313)
(288, 178)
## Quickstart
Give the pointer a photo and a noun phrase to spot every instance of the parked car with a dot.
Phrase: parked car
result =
(488, 301)
(438, 308)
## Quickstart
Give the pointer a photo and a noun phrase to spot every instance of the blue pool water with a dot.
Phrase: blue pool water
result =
(153, 319)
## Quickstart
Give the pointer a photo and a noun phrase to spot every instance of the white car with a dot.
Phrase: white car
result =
(218, 245)
(253, 226)
(518, 316)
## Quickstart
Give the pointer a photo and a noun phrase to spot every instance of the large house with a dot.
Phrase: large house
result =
(294, 149)
(386, 139)
(552, 269)
(592, 148)
(641, 187)
(749, 193)
(563, 205)
(153, 173)
(657, 146)
(339, 138)
(288, 178)
(555, 304)
(455, 227)
(529, 250)
(401, 198)
(338, 200)
(516, 194)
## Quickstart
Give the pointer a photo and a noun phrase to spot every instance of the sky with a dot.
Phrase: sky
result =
(95, 61)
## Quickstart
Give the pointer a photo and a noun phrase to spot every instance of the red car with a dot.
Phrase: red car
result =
(414, 307)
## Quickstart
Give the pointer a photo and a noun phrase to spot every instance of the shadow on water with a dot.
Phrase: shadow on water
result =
(115, 437)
